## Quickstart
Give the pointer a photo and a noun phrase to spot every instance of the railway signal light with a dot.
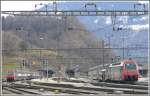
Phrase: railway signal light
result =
(119, 28)
(23, 62)
(18, 28)
(112, 59)
(33, 62)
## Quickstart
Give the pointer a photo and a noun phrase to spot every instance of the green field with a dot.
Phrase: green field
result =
(13, 62)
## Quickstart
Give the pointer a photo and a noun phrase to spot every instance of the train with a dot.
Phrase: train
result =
(20, 75)
(125, 70)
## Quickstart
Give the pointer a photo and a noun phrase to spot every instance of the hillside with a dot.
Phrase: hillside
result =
(75, 45)
(135, 28)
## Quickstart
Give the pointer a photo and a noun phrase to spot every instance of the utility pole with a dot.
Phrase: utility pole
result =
(57, 47)
(41, 38)
(113, 20)
(55, 6)
(123, 44)
(46, 65)
(29, 50)
(25, 57)
(103, 52)
(47, 70)
(23, 72)
(123, 47)
(109, 39)
(103, 70)
(45, 5)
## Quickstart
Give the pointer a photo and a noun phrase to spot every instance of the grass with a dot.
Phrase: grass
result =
(42, 53)
(10, 66)
(13, 62)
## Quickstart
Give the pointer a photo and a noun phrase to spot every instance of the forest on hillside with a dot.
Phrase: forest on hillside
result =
(66, 34)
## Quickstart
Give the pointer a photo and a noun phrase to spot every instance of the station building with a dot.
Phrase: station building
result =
(143, 69)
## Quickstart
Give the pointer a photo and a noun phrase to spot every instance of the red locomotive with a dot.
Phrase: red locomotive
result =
(126, 70)
(10, 76)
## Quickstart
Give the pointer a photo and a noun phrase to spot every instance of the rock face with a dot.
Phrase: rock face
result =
(66, 36)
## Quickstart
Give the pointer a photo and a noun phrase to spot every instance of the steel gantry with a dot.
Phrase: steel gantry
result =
(85, 12)
(78, 13)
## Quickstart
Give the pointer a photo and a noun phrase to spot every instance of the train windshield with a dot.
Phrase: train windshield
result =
(10, 73)
(130, 66)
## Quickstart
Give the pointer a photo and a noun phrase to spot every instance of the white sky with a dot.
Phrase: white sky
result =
(20, 5)
(139, 27)
(26, 5)
(144, 2)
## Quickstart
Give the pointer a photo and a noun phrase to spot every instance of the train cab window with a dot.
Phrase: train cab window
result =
(130, 66)
(10, 73)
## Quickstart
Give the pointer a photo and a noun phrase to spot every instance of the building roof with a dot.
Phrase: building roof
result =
(144, 66)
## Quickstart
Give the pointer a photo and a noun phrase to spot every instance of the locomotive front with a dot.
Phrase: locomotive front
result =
(130, 70)
(10, 76)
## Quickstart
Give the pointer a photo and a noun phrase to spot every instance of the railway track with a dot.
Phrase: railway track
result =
(114, 82)
(99, 88)
(52, 89)
(116, 85)
(86, 90)
(26, 90)
(131, 83)
(141, 83)
(20, 87)
(15, 90)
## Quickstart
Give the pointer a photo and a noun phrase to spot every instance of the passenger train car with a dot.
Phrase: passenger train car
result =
(126, 70)
(20, 75)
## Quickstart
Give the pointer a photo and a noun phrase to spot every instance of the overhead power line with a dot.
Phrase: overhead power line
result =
(78, 13)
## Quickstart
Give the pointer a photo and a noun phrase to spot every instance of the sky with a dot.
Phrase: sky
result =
(20, 5)
(30, 5)
(27, 5)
